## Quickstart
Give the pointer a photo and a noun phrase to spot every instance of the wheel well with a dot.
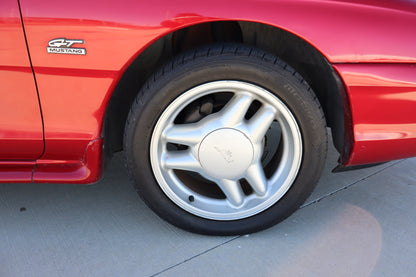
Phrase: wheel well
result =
(303, 57)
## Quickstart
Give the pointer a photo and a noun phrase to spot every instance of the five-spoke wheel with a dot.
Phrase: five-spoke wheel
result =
(226, 149)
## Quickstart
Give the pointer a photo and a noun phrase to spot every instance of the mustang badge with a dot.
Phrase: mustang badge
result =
(64, 46)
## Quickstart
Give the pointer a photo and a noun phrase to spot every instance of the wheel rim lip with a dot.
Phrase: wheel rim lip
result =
(219, 209)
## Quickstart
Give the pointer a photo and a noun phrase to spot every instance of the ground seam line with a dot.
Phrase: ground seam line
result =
(349, 185)
(195, 256)
(303, 206)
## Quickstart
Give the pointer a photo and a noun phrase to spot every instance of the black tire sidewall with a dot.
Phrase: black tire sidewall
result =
(179, 77)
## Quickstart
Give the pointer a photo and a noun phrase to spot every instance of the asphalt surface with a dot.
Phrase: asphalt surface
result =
(358, 223)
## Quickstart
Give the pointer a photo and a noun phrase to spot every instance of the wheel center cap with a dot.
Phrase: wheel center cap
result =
(225, 153)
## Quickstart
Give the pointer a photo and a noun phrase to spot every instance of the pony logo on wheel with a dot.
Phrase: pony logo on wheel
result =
(64, 46)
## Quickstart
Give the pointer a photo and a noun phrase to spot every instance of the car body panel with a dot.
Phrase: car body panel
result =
(383, 104)
(21, 134)
(344, 31)
(16, 172)
(74, 90)
(88, 170)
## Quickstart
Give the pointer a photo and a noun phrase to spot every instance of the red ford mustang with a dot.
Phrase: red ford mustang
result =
(221, 107)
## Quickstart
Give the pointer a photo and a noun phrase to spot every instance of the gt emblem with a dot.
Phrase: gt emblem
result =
(64, 46)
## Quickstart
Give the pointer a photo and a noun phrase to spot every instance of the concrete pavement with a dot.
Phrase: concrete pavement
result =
(358, 223)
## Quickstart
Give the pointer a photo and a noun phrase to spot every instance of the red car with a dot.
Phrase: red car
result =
(221, 107)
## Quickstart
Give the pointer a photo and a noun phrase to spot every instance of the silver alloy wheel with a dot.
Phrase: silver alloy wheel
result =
(224, 147)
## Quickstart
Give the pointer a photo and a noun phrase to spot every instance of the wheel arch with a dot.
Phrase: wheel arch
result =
(298, 53)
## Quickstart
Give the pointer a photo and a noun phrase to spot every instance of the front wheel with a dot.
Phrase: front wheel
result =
(225, 140)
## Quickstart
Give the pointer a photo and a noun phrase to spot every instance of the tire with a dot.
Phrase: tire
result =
(225, 140)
